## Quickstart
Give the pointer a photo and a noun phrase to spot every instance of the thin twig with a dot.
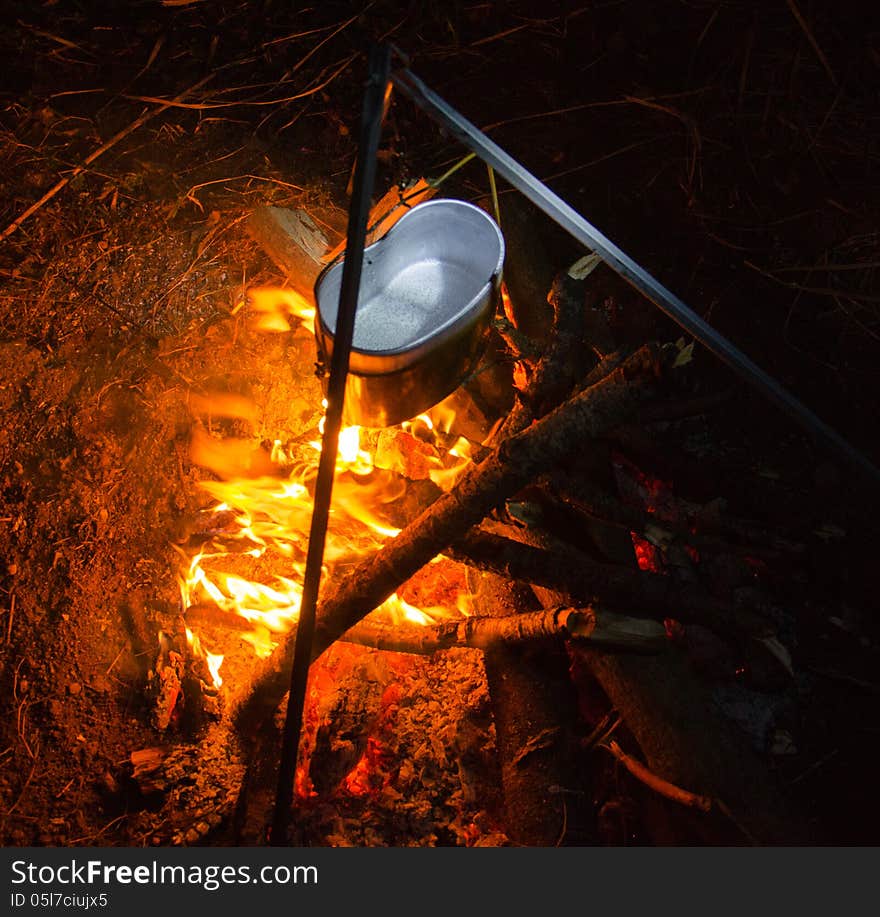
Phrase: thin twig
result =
(603, 731)
(494, 191)
(97, 834)
(606, 103)
(658, 784)
(209, 106)
(27, 783)
(121, 135)
(600, 159)
(812, 40)
(319, 45)
(498, 35)
(809, 268)
(817, 291)
(294, 35)
(219, 181)
(116, 659)
(690, 126)
(64, 42)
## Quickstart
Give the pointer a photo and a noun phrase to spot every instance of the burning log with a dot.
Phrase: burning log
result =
(519, 648)
(602, 628)
(514, 463)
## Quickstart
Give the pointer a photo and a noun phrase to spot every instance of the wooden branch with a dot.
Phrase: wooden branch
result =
(513, 464)
(567, 570)
(585, 498)
(603, 629)
(683, 408)
(560, 369)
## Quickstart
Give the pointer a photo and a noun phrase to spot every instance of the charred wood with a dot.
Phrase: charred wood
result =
(194, 787)
(683, 408)
(569, 571)
(710, 527)
(528, 271)
(773, 505)
(553, 377)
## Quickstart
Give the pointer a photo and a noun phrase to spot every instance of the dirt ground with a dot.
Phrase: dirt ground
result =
(731, 148)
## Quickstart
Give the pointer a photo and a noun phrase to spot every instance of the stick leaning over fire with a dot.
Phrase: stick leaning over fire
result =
(515, 462)
(602, 628)
(595, 623)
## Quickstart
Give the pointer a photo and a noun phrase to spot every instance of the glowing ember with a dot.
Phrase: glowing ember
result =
(648, 555)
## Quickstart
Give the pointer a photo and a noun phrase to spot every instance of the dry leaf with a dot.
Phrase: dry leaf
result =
(585, 266)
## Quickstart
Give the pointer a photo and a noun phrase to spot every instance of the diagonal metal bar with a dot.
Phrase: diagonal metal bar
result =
(587, 234)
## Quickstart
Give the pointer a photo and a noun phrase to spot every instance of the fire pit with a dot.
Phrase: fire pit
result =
(599, 595)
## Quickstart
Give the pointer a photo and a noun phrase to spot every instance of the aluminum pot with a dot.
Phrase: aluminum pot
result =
(429, 288)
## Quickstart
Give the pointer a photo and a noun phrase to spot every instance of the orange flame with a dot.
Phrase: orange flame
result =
(275, 306)
(213, 661)
(263, 506)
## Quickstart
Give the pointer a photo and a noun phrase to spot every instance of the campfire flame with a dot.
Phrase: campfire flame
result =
(273, 308)
(260, 520)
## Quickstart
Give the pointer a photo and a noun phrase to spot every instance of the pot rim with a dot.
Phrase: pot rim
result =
(400, 357)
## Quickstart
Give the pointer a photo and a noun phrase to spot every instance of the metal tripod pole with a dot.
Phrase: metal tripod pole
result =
(359, 211)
